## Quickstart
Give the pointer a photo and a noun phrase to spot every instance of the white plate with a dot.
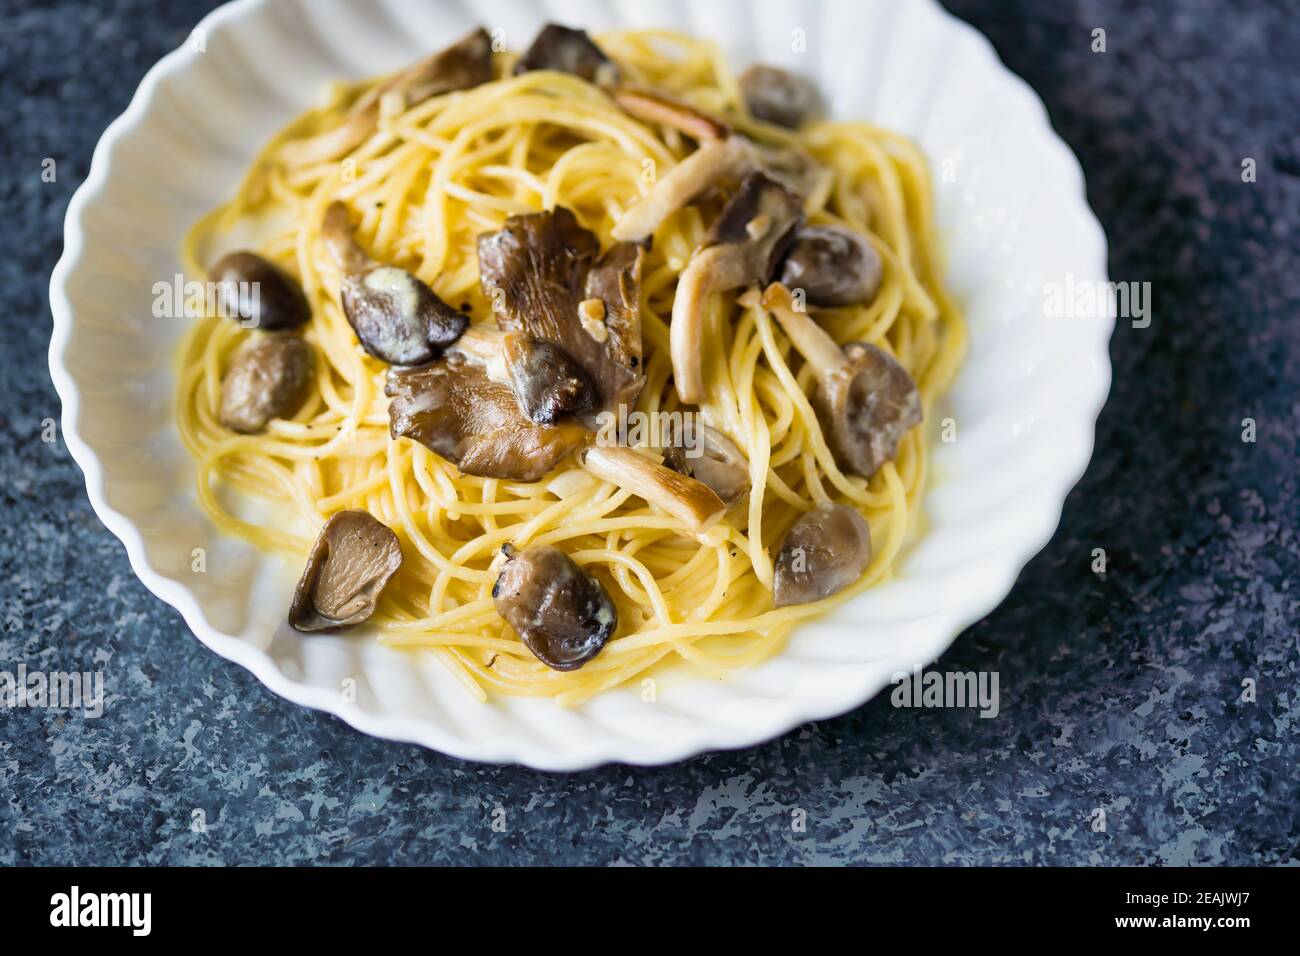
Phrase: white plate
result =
(1013, 217)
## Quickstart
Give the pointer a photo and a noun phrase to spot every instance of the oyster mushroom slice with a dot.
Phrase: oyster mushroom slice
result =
(793, 167)
(690, 501)
(865, 400)
(825, 551)
(726, 158)
(835, 267)
(742, 248)
(651, 106)
(711, 164)
(568, 51)
(456, 409)
(461, 66)
(778, 96)
(398, 319)
(259, 293)
(561, 613)
(267, 379)
(347, 570)
(717, 462)
(547, 383)
(540, 270)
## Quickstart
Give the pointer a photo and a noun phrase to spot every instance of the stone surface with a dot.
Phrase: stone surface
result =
(1120, 693)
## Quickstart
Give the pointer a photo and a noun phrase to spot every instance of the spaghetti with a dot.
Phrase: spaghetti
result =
(423, 185)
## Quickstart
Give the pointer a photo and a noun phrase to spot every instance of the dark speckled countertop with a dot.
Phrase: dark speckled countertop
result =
(1121, 693)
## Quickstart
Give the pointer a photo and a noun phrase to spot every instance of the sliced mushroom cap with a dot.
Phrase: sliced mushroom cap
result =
(398, 319)
(259, 292)
(462, 66)
(267, 379)
(779, 96)
(561, 613)
(793, 167)
(716, 462)
(742, 247)
(758, 223)
(617, 367)
(352, 561)
(540, 269)
(825, 551)
(548, 384)
(568, 51)
(454, 408)
(869, 406)
(835, 267)
(865, 400)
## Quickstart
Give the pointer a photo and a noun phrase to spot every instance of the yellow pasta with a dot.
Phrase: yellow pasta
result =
(423, 187)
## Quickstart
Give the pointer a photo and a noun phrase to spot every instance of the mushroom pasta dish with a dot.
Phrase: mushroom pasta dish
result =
(564, 363)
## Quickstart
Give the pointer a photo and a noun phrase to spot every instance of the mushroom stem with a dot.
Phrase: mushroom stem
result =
(686, 499)
(485, 347)
(865, 400)
(651, 106)
(742, 247)
(713, 161)
(686, 332)
(338, 232)
(483, 343)
(812, 341)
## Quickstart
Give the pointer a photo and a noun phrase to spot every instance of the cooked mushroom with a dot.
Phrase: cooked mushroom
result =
(548, 384)
(827, 550)
(717, 462)
(568, 51)
(712, 163)
(617, 368)
(454, 407)
(259, 293)
(462, 66)
(561, 613)
(866, 401)
(742, 247)
(685, 498)
(651, 106)
(793, 167)
(352, 561)
(267, 379)
(834, 267)
(398, 319)
(539, 270)
(779, 96)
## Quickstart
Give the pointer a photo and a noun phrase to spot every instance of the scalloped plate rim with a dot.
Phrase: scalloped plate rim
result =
(706, 738)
